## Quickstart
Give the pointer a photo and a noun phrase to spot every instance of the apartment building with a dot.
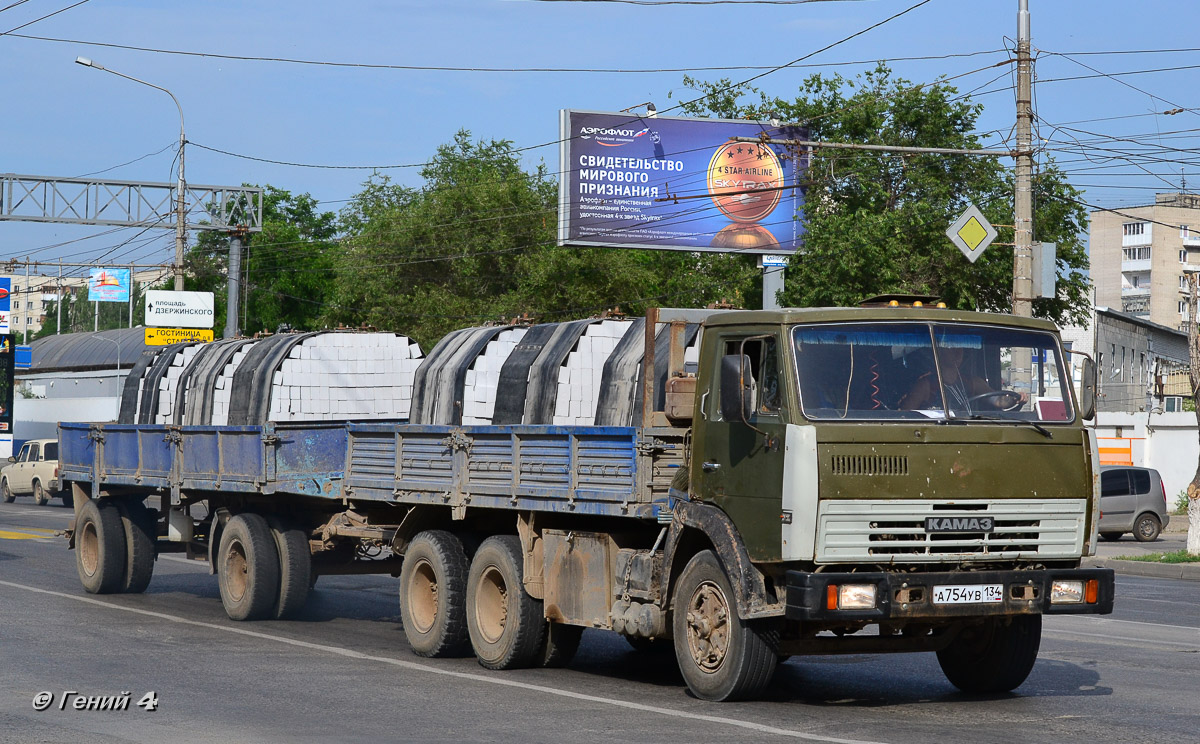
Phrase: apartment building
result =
(1140, 257)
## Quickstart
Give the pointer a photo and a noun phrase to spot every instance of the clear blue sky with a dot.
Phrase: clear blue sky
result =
(61, 119)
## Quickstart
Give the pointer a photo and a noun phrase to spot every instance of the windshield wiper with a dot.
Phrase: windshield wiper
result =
(1040, 429)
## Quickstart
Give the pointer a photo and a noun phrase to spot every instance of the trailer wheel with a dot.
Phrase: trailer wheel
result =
(100, 547)
(137, 525)
(994, 657)
(721, 656)
(295, 569)
(433, 594)
(248, 568)
(505, 624)
(39, 494)
(560, 644)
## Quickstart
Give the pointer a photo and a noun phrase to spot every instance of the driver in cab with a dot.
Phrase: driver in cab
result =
(965, 391)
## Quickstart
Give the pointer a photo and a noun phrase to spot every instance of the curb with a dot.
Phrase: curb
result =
(1185, 571)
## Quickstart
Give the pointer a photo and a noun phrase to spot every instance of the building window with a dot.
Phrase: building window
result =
(1139, 253)
(1173, 403)
(1183, 255)
(1183, 282)
(1183, 309)
(1184, 232)
(1134, 228)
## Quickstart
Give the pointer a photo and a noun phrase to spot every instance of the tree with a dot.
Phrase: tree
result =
(286, 268)
(477, 243)
(876, 221)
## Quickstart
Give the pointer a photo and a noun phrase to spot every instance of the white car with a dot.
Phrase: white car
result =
(34, 471)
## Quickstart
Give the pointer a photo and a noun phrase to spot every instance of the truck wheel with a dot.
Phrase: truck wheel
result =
(721, 656)
(433, 594)
(9, 496)
(248, 568)
(505, 624)
(560, 644)
(137, 525)
(100, 547)
(295, 569)
(39, 494)
(994, 657)
(1146, 528)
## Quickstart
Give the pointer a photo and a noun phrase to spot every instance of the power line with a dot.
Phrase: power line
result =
(444, 68)
(36, 20)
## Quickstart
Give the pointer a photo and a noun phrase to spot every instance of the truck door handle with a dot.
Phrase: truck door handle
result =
(710, 467)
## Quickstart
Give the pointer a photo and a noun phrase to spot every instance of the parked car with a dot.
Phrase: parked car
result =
(1132, 500)
(34, 471)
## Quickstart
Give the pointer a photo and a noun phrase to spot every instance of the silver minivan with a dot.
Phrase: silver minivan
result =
(1132, 500)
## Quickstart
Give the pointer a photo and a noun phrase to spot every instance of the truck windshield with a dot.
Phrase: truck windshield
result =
(858, 371)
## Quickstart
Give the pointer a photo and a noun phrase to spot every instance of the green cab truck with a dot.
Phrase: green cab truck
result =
(823, 481)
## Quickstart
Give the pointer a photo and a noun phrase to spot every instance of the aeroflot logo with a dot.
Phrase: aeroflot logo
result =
(959, 524)
(623, 136)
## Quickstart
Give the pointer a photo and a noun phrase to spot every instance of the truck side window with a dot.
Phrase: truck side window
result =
(764, 366)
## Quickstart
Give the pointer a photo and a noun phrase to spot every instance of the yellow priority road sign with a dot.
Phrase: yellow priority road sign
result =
(971, 233)
(168, 336)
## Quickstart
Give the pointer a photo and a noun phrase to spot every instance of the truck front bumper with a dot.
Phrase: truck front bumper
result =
(905, 596)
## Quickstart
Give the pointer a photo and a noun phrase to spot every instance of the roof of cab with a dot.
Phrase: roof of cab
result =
(789, 315)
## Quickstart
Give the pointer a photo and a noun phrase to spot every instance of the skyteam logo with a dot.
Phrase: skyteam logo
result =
(607, 137)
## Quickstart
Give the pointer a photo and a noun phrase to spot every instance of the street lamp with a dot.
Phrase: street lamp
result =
(180, 232)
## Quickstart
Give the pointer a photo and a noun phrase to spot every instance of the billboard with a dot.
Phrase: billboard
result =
(679, 184)
(5, 303)
(108, 285)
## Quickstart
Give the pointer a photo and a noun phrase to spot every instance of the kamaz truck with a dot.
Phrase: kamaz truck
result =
(893, 478)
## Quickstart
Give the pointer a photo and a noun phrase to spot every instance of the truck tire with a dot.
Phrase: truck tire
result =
(560, 644)
(39, 494)
(100, 547)
(9, 496)
(433, 594)
(248, 568)
(137, 525)
(1146, 528)
(505, 624)
(295, 569)
(721, 656)
(994, 657)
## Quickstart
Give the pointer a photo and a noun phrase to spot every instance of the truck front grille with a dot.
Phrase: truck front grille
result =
(894, 531)
(870, 465)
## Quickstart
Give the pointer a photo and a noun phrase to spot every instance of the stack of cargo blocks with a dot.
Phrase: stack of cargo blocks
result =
(580, 376)
(483, 377)
(333, 376)
(224, 387)
(169, 384)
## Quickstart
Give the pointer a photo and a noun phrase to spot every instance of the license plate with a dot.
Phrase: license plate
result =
(968, 594)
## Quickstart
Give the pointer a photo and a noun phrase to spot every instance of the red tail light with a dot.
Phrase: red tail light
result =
(1163, 486)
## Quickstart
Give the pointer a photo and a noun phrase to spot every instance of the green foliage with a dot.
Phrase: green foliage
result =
(477, 243)
(286, 268)
(876, 221)
(1175, 556)
(1181, 502)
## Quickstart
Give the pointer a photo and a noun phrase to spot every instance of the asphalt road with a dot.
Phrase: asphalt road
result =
(343, 672)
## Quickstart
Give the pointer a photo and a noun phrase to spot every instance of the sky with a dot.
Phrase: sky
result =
(62, 119)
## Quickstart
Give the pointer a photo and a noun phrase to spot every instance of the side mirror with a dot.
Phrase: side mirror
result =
(737, 388)
(12, 459)
(1087, 390)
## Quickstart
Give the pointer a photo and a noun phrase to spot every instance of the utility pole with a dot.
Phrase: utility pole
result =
(233, 282)
(1022, 300)
(58, 305)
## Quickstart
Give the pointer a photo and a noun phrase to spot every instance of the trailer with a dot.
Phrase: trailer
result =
(789, 495)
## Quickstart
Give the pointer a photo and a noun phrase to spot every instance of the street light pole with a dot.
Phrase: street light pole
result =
(180, 208)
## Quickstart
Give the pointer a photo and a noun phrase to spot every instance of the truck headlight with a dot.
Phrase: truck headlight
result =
(1066, 592)
(850, 597)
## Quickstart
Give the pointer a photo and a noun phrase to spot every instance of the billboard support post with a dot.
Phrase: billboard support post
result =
(772, 283)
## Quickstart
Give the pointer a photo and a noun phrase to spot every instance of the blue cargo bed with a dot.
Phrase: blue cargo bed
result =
(616, 471)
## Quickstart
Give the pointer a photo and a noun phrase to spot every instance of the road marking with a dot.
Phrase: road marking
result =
(27, 533)
(473, 677)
